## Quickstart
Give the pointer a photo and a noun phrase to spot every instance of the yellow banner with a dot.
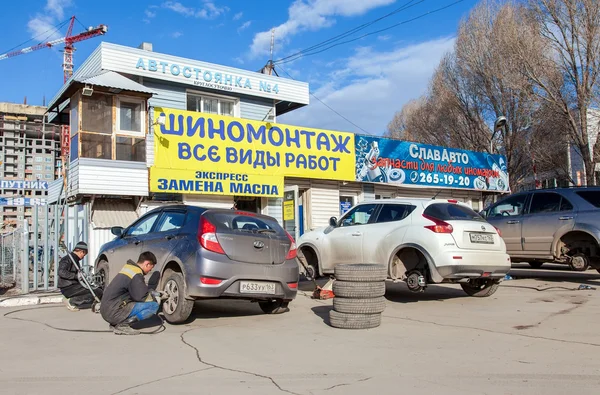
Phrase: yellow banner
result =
(214, 183)
(192, 140)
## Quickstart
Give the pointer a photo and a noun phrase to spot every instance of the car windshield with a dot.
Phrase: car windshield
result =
(452, 212)
(592, 197)
(247, 222)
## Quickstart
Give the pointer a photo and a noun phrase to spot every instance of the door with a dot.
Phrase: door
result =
(346, 239)
(132, 243)
(389, 221)
(165, 236)
(548, 212)
(507, 215)
(290, 210)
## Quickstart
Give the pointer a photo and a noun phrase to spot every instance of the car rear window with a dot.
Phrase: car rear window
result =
(243, 222)
(592, 197)
(452, 212)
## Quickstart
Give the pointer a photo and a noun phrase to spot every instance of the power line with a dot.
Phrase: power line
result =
(405, 6)
(329, 107)
(374, 32)
(52, 30)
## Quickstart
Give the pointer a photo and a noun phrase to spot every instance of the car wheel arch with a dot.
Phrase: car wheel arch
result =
(172, 266)
(317, 253)
(435, 276)
(583, 229)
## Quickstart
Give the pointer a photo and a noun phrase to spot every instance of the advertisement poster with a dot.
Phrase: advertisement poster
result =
(381, 160)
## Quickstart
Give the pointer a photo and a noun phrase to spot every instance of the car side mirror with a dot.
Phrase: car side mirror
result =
(333, 221)
(117, 231)
(483, 213)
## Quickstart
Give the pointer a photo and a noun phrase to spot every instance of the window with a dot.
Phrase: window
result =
(48, 176)
(39, 159)
(96, 114)
(131, 115)
(48, 168)
(49, 159)
(360, 215)
(211, 104)
(510, 207)
(394, 212)
(97, 146)
(592, 197)
(131, 149)
(38, 167)
(143, 226)
(171, 220)
(544, 203)
(565, 205)
(451, 212)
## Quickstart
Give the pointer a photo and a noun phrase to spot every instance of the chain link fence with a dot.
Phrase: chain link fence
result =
(10, 258)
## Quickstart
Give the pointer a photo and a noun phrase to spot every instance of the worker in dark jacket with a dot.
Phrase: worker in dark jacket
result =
(77, 296)
(127, 299)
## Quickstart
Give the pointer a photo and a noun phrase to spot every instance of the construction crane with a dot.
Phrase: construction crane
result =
(67, 65)
(68, 40)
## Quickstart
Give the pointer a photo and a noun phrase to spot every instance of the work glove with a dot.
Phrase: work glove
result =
(159, 296)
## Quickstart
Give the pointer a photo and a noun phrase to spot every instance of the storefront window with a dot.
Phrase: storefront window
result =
(96, 114)
(210, 104)
(131, 149)
(130, 115)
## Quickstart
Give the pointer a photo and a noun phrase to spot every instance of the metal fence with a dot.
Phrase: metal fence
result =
(29, 255)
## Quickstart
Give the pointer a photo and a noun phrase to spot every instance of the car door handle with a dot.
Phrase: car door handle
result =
(356, 234)
(170, 237)
(513, 221)
(136, 242)
(565, 218)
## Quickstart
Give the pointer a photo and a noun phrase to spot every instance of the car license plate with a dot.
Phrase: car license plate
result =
(255, 287)
(482, 238)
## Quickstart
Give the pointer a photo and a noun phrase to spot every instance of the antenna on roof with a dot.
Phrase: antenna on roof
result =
(436, 195)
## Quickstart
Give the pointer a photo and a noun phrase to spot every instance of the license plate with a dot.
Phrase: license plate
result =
(254, 287)
(482, 238)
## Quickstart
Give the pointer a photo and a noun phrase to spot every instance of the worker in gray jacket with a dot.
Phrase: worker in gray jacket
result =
(127, 299)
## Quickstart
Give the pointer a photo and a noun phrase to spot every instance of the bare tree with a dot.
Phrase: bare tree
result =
(561, 56)
(397, 128)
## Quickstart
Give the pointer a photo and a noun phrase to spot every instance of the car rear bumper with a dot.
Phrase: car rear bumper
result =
(456, 265)
(232, 273)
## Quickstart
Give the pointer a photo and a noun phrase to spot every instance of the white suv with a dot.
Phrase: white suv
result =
(421, 241)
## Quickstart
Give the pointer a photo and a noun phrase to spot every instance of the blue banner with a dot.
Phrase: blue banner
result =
(381, 160)
(22, 201)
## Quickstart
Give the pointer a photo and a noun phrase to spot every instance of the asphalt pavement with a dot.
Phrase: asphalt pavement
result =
(537, 335)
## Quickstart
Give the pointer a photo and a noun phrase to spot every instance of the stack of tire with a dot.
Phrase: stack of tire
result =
(359, 300)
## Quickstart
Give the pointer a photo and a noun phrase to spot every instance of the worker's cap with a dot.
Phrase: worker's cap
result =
(82, 245)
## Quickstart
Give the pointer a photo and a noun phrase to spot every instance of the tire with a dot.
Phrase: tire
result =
(354, 321)
(176, 308)
(359, 306)
(536, 265)
(102, 269)
(274, 306)
(579, 263)
(352, 290)
(481, 289)
(311, 273)
(361, 273)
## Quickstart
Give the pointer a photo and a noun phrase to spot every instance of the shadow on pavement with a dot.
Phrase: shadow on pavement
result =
(224, 308)
(398, 292)
(555, 273)
(309, 286)
(322, 312)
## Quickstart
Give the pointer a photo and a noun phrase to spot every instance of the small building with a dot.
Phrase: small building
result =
(148, 129)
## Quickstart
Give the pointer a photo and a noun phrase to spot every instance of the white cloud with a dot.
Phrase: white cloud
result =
(57, 7)
(150, 14)
(385, 37)
(244, 26)
(208, 10)
(371, 86)
(238, 16)
(176, 34)
(311, 15)
(41, 25)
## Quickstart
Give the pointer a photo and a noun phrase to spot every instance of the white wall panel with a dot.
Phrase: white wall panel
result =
(104, 177)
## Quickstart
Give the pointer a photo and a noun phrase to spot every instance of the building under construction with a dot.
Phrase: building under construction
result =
(29, 160)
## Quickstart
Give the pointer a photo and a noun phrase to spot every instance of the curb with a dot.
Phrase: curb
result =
(31, 300)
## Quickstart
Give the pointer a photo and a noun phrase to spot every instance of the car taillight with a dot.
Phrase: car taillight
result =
(453, 201)
(499, 231)
(293, 285)
(207, 236)
(439, 225)
(210, 281)
(293, 252)
(247, 213)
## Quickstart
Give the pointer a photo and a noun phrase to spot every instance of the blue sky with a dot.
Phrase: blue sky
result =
(366, 80)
